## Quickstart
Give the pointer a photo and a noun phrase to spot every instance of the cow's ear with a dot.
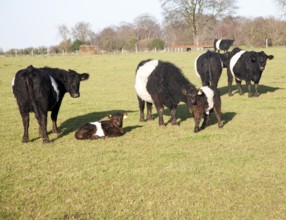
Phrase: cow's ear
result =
(84, 76)
(270, 57)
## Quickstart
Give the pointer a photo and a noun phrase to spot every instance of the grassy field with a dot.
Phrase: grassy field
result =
(237, 172)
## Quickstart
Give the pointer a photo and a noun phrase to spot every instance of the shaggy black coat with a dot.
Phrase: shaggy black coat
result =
(165, 85)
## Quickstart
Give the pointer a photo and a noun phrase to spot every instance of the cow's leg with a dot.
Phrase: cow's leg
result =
(41, 116)
(54, 117)
(141, 108)
(173, 115)
(25, 120)
(248, 84)
(206, 118)
(238, 83)
(229, 80)
(160, 111)
(149, 111)
(256, 94)
(217, 110)
(43, 125)
(197, 118)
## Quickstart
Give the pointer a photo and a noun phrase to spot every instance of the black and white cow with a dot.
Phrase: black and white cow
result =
(102, 129)
(248, 66)
(222, 44)
(201, 103)
(208, 67)
(163, 84)
(40, 90)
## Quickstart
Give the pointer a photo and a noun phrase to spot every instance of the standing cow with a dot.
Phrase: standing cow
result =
(40, 90)
(222, 44)
(248, 66)
(163, 84)
(208, 67)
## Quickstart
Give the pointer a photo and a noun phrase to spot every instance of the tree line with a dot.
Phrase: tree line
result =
(186, 22)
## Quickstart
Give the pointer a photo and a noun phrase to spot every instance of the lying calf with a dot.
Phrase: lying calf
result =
(102, 129)
(201, 102)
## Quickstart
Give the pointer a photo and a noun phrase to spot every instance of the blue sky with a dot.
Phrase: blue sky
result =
(34, 23)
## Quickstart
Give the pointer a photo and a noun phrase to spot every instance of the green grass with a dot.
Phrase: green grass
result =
(238, 172)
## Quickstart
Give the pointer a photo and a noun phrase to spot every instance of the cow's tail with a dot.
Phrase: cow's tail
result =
(209, 68)
(30, 71)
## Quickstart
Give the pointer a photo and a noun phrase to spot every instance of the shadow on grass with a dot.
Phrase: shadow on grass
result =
(72, 124)
(262, 89)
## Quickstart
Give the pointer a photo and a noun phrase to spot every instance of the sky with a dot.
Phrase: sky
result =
(34, 23)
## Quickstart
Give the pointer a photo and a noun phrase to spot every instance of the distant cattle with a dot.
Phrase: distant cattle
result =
(248, 66)
(163, 84)
(209, 66)
(222, 44)
(102, 129)
(40, 90)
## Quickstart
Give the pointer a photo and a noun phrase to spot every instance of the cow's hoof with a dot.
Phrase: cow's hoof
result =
(24, 140)
(196, 130)
(46, 141)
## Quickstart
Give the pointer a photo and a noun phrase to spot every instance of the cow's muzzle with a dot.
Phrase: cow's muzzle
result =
(75, 95)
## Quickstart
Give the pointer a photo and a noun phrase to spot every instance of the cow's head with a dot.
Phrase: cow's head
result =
(260, 58)
(72, 82)
(192, 95)
(117, 119)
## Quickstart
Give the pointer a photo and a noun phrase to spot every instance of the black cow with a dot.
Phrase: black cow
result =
(102, 129)
(248, 66)
(40, 90)
(209, 66)
(222, 44)
(163, 84)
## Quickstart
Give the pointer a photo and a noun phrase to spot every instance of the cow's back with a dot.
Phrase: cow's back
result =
(167, 81)
(33, 88)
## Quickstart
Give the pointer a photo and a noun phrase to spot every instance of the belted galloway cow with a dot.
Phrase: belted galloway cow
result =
(40, 90)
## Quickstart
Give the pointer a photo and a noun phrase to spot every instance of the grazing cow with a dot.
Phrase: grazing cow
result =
(201, 103)
(102, 129)
(248, 66)
(40, 90)
(222, 44)
(163, 84)
(209, 66)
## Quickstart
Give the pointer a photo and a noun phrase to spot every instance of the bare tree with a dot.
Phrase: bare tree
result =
(82, 31)
(65, 35)
(281, 3)
(197, 13)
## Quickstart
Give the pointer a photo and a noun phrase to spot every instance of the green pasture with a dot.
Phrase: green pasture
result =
(237, 172)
